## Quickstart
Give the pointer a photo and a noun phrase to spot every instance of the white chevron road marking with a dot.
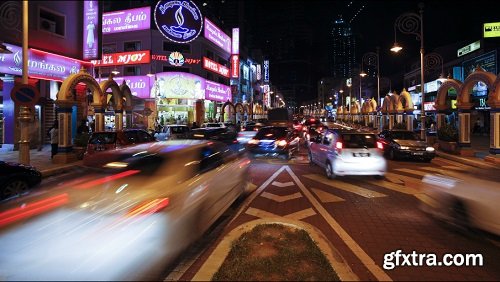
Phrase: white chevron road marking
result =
(326, 197)
(295, 216)
(345, 186)
(280, 184)
(281, 199)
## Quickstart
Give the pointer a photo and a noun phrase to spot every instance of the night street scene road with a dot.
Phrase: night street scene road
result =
(249, 140)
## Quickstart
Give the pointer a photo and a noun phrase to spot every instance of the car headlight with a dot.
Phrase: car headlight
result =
(404, 147)
(430, 149)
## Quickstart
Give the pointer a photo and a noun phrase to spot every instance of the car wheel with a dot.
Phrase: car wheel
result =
(14, 187)
(460, 217)
(329, 171)
(379, 177)
(427, 160)
(392, 155)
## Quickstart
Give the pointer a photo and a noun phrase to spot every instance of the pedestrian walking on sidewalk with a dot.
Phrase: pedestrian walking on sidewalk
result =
(54, 138)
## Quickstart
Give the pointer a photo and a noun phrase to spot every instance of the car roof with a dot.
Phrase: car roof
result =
(160, 147)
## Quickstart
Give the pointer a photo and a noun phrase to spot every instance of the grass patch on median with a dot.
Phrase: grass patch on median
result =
(275, 252)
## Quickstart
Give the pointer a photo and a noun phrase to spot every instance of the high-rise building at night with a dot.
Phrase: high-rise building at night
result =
(344, 49)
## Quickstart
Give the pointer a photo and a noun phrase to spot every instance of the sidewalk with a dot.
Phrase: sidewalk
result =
(40, 160)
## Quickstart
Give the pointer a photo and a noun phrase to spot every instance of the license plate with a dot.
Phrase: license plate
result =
(418, 153)
(361, 154)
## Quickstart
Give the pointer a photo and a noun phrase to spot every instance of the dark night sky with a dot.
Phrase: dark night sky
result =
(445, 22)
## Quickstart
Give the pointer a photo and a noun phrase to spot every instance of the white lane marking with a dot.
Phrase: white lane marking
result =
(345, 186)
(394, 179)
(413, 171)
(348, 240)
(280, 184)
(256, 193)
(281, 199)
(391, 186)
(326, 197)
(294, 216)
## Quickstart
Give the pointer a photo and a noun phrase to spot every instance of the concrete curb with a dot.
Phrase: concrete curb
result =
(58, 170)
(477, 163)
(215, 260)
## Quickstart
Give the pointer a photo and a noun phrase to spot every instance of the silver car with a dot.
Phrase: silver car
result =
(348, 153)
(126, 218)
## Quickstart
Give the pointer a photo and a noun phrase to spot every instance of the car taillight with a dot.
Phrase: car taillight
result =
(380, 145)
(253, 141)
(281, 143)
(149, 207)
(338, 145)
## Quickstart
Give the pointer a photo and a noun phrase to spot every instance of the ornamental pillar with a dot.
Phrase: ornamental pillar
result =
(464, 127)
(65, 145)
(409, 120)
(391, 121)
(440, 119)
(118, 120)
(98, 117)
(495, 131)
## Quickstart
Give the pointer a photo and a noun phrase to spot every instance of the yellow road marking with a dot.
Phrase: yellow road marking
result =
(301, 214)
(345, 186)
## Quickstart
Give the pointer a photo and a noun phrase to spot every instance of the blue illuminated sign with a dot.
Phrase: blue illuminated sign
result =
(178, 21)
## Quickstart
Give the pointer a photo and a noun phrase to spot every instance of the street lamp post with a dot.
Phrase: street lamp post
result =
(412, 23)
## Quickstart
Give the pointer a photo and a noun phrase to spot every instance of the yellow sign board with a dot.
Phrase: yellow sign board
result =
(491, 30)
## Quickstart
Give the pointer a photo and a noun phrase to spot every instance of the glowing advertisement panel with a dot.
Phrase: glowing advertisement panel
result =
(90, 30)
(259, 72)
(235, 66)
(236, 41)
(124, 58)
(178, 21)
(42, 65)
(266, 71)
(180, 85)
(140, 86)
(126, 20)
(215, 67)
(217, 92)
(217, 36)
(491, 30)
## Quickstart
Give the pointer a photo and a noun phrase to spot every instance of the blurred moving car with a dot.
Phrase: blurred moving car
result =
(275, 140)
(173, 132)
(110, 140)
(125, 217)
(348, 153)
(16, 179)
(248, 132)
(463, 204)
(224, 135)
(212, 124)
(399, 143)
(312, 132)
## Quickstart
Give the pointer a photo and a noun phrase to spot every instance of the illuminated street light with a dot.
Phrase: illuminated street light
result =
(412, 23)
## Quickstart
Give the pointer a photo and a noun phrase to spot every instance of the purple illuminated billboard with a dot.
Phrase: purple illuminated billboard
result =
(140, 86)
(90, 30)
(42, 65)
(126, 20)
(217, 36)
(217, 92)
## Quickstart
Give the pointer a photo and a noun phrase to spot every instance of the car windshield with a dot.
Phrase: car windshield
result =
(271, 133)
(404, 135)
(205, 134)
(178, 129)
(213, 125)
(359, 141)
(103, 138)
